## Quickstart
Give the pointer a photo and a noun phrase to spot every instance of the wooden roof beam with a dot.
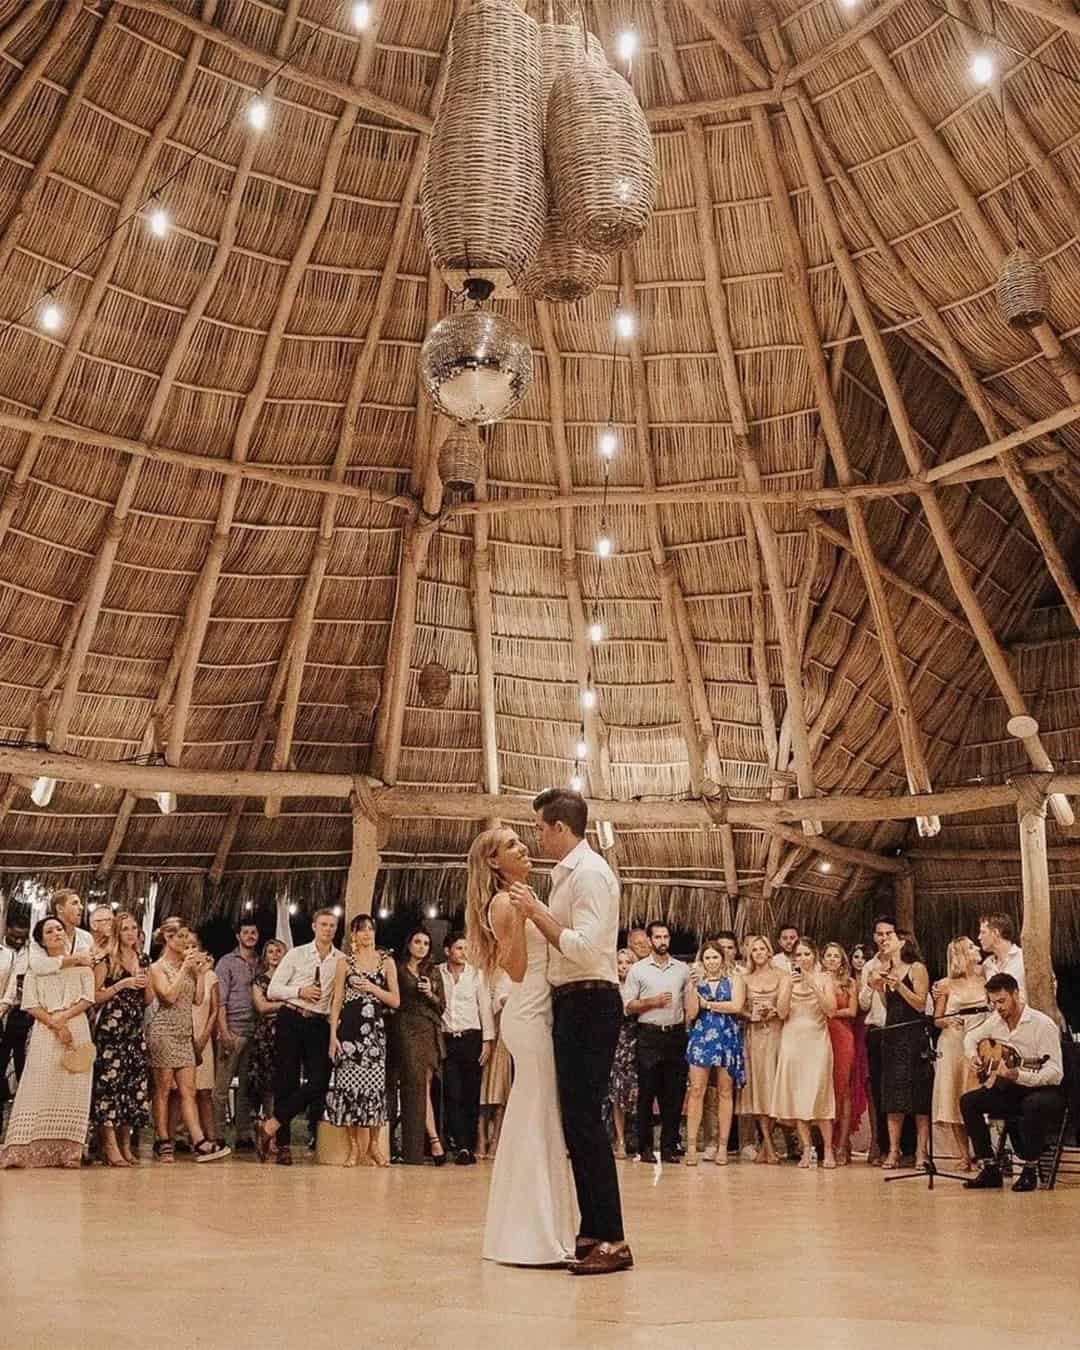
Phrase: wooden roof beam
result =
(52, 40)
(724, 36)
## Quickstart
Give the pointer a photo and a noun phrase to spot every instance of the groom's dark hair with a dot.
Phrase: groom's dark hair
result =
(561, 804)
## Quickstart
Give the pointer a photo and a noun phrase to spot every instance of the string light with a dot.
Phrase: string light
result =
(258, 114)
(825, 866)
(581, 750)
(384, 913)
(361, 14)
(588, 697)
(247, 905)
(338, 911)
(158, 220)
(596, 632)
(432, 911)
(609, 443)
(41, 791)
(982, 68)
(625, 324)
(292, 908)
(576, 783)
(166, 802)
(115, 906)
(50, 316)
(626, 45)
(604, 546)
(849, 4)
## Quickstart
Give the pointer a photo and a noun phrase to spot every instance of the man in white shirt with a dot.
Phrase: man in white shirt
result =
(304, 982)
(997, 937)
(581, 925)
(1028, 1093)
(787, 939)
(14, 1023)
(655, 993)
(469, 1032)
(870, 1002)
(67, 906)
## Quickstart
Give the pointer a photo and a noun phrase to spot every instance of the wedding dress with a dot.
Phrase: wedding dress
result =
(532, 1210)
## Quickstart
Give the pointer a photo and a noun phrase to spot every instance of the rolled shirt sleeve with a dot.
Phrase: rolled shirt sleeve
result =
(283, 983)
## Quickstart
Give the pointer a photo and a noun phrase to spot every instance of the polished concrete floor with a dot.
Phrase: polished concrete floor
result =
(237, 1255)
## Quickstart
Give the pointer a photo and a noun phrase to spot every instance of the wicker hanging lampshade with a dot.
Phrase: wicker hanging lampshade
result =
(601, 165)
(1023, 290)
(461, 459)
(363, 694)
(484, 195)
(563, 271)
(434, 684)
(475, 365)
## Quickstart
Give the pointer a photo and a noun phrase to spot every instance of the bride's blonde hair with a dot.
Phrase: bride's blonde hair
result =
(484, 883)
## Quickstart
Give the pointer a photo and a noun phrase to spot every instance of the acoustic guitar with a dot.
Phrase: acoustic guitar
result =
(994, 1055)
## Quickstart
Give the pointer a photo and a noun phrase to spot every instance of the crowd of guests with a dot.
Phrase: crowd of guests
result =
(783, 1048)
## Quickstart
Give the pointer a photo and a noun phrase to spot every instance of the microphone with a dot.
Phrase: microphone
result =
(974, 1008)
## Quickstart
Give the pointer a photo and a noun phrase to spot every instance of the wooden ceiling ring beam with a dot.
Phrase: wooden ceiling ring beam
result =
(720, 323)
(428, 804)
(187, 459)
(829, 848)
(360, 99)
(724, 36)
(870, 20)
(708, 107)
(1046, 426)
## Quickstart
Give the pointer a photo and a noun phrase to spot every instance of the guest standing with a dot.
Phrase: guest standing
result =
(204, 1022)
(860, 1073)
(837, 970)
(997, 937)
(873, 1005)
(260, 1075)
(637, 940)
(178, 982)
(764, 1027)
(365, 989)
(304, 982)
(67, 906)
(236, 972)
(787, 939)
(498, 1073)
(469, 1034)
(655, 994)
(417, 1046)
(906, 1073)
(622, 1102)
(121, 1097)
(713, 1005)
(14, 1023)
(52, 1105)
(803, 1091)
(101, 931)
(963, 987)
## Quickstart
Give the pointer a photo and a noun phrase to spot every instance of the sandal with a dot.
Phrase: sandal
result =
(164, 1150)
(439, 1159)
(890, 1164)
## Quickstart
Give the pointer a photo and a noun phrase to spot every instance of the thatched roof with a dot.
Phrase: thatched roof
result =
(277, 326)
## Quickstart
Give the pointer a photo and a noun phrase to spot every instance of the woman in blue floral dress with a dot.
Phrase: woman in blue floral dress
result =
(713, 1005)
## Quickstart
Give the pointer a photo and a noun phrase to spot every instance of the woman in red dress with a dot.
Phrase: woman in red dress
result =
(834, 963)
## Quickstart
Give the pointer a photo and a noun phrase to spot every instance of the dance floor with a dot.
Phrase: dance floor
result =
(236, 1255)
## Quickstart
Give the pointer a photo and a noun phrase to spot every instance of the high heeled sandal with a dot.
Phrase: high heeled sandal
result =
(439, 1159)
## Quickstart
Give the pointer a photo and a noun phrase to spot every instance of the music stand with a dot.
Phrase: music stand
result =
(929, 1168)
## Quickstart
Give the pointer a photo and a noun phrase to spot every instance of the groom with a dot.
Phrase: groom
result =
(582, 926)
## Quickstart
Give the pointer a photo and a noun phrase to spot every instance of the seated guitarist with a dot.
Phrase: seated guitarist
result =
(1029, 1093)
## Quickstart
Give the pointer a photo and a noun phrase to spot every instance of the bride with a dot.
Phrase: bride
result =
(532, 1211)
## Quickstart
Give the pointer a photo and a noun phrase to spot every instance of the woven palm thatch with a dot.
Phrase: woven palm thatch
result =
(219, 473)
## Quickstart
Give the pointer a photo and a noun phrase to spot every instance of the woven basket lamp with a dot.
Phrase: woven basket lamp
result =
(475, 365)
(461, 459)
(483, 200)
(563, 271)
(364, 692)
(1023, 290)
(601, 164)
(434, 684)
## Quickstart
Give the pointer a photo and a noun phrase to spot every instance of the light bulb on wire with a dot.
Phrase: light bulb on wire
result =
(609, 443)
(581, 750)
(626, 45)
(576, 782)
(258, 114)
(293, 908)
(982, 68)
(825, 866)
(625, 323)
(158, 220)
(588, 697)
(384, 913)
(361, 14)
(596, 632)
(604, 546)
(432, 911)
(50, 316)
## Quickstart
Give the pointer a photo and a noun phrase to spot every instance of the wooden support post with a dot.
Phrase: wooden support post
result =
(1035, 937)
(904, 900)
(364, 864)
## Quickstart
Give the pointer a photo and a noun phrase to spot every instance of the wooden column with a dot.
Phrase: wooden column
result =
(904, 900)
(364, 864)
(1035, 936)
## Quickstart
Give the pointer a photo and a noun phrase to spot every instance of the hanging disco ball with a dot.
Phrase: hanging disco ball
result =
(476, 366)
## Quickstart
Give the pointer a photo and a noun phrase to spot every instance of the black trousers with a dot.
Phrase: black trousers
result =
(13, 1046)
(1035, 1110)
(462, 1074)
(586, 1031)
(662, 1071)
(300, 1044)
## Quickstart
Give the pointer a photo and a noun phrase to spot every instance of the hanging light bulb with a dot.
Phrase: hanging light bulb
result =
(258, 114)
(576, 782)
(247, 905)
(604, 546)
(825, 866)
(849, 4)
(609, 443)
(338, 911)
(581, 750)
(432, 911)
(114, 906)
(158, 220)
(982, 68)
(596, 631)
(626, 45)
(50, 316)
(361, 14)
(384, 913)
(625, 323)
(588, 697)
(166, 802)
(292, 908)
(41, 791)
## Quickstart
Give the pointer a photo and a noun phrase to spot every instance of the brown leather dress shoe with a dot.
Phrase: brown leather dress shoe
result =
(604, 1259)
(583, 1246)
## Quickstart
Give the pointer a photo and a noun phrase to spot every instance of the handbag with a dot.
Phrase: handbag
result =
(79, 1058)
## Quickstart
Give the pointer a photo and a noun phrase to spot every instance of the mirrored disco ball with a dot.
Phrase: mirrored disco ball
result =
(476, 366)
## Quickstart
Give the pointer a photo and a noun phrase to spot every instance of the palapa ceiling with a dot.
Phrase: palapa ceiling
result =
(278, 325)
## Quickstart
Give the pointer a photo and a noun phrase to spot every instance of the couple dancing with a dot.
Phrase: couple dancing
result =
(560, 1024)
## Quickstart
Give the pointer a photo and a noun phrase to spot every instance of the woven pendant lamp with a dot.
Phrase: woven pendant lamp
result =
(434, 684)
(484, 197)
(563, 271)
(601, 165)
(461, 459)
(1023, 290)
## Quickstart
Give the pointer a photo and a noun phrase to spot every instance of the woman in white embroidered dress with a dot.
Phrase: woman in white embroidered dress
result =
(52, 1106)
(532, 1211)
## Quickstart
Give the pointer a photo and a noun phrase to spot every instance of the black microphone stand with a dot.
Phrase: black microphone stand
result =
(930, 1168)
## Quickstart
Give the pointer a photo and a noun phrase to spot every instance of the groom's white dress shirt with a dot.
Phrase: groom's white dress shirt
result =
(585, 900)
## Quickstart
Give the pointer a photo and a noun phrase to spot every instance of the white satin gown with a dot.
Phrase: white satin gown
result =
(532, 1213)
